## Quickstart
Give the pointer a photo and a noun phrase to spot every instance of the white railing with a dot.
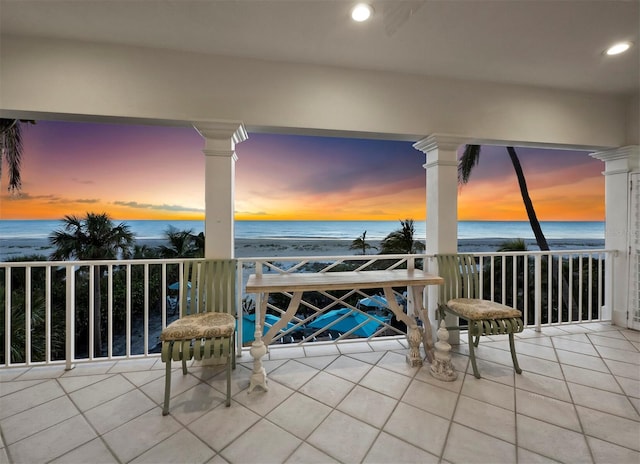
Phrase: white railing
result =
(50, 308)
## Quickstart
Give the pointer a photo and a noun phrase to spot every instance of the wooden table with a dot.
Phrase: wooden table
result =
(298, 283)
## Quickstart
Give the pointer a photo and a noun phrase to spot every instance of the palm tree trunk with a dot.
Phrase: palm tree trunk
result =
(528, 204)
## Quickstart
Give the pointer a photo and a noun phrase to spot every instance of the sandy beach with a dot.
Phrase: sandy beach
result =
(259, 248)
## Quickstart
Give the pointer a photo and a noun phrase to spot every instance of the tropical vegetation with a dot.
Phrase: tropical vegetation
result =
(402, 241)
(94, 237)
(11, 150)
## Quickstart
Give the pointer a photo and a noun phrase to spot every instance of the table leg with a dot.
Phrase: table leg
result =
(421, 312)
(258, 348)
(442, 368)
(414, 334)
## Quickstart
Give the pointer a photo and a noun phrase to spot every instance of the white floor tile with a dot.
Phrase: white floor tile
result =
(431, 398)
(614, 429)
(601, 400)
(293, 374)
(581, 360)
(595, 379)
(111, 414)
(28, 397)
(492, 420)
(317, 362)
(262, 402)
(488, 391)
(631, 357)
(183, 447)
(140, 434)
(52, 442)
(264, 442)
(348, 368)
(299, 415)
(31, 421)
(605, 452)
(470, 446)
(420, 428)
(623, 369)
(368, 406)
(543, 385)
(386, 382)
(327, 388)
(552, 441)
(307, 454)
(195, 402)
(343, 437)
(101, 392)
(94, 452)
(222, 425)
(389, 449)
(599, 340)
(547, 409)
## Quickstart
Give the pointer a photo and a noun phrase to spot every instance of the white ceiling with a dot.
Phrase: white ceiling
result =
(550, 43)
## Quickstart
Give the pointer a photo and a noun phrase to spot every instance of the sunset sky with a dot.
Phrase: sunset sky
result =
(152, 172)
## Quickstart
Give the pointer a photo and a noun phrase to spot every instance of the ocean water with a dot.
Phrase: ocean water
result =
(13, 230)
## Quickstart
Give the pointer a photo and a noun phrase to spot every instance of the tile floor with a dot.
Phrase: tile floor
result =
(578, 400)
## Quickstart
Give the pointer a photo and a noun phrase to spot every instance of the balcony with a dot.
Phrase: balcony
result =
(346, 400)
(576, 401)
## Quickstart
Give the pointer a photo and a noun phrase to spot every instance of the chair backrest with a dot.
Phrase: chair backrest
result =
(209, 285)
(461, 277)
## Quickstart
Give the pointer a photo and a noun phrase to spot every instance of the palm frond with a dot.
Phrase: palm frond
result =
(467, 162)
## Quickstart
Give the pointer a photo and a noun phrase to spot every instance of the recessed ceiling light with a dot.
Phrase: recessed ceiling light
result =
(618, 48)
(361, 12)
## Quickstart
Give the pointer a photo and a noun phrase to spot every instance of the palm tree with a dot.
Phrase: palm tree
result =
(361, 244)
(11, 150)
(182, 244)
(470, 159)
(401, 241)
(91, 238)
(516, 244)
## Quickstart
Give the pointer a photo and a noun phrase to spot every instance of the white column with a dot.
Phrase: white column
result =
(442, 207)
(441, 232)
(619, 163)
(442, 191)
(221, 138)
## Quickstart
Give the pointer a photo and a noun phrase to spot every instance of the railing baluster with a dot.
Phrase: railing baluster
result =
(537, 293)
(128, 310)
(70, 316)
(92, 310)
(570, 280)
(47, 314)
(27, 313)
(110, 313)
(145, 309)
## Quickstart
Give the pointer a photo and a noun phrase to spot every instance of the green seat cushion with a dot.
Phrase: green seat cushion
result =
(476, 310)
(201, 325)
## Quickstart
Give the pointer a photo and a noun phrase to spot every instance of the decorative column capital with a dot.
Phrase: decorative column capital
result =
(439, 141)
(619, 160)
(221, 131)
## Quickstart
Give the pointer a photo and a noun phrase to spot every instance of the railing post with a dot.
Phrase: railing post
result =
(537, 283)
(70, 316)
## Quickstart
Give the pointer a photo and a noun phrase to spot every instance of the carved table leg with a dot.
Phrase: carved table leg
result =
(414, 333)
(442, 368)
(258, 348)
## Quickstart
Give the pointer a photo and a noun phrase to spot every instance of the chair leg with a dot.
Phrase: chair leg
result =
(184, 364)
(512, 346)
(167, 387)
(229, 362)
(471, 329)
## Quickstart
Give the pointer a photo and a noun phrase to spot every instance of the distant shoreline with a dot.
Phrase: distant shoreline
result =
(259, 248)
